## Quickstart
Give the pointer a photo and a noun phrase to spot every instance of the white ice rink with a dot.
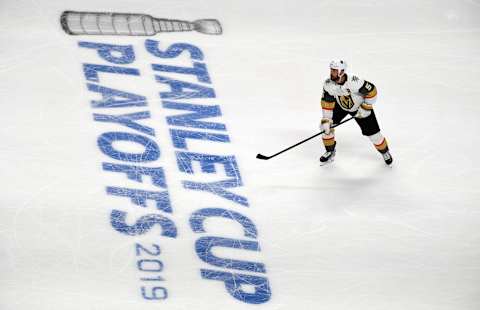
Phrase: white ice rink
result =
(278, 234)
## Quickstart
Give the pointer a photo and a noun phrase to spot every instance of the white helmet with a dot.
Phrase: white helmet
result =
(339, 65)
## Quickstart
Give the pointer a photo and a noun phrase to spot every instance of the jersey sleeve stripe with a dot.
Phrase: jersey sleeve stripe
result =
(367, 106)
(372, 93)
(328, 105)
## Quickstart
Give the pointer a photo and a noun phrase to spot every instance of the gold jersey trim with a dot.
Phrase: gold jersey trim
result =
(328, 105)
(367, 106)
(372, 93)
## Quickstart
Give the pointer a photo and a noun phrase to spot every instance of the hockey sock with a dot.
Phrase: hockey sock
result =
(329, 142)
(379, 142)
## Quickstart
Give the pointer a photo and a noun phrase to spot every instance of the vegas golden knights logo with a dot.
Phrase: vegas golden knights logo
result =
(346, 102)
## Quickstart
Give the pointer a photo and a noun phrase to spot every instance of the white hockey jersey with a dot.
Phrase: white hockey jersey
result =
(350, 95)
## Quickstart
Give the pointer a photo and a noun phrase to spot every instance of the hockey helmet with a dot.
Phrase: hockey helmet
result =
(339, 65)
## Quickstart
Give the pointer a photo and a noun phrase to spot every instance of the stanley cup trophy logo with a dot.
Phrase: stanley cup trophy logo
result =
(97, 23)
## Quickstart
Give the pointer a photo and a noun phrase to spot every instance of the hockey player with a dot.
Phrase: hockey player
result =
(347, 94)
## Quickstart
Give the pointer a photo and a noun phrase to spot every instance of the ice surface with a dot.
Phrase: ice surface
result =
(351, 235)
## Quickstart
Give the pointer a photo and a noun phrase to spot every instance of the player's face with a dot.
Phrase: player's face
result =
(334, 74)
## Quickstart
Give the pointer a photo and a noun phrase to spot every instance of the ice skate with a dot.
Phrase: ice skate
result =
(328, 157)
(387, 157)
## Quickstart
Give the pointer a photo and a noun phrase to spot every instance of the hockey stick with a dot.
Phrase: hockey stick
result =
(260, 156)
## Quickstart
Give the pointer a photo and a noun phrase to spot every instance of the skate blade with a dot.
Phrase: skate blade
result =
(389, 165)
(326, 162)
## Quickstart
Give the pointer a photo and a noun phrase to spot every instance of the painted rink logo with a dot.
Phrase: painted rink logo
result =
(130, 24)
(133, 152)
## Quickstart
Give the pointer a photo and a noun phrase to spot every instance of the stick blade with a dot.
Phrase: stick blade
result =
(260, 156)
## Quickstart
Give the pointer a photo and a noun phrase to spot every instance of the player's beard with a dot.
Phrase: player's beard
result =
(337, 79)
